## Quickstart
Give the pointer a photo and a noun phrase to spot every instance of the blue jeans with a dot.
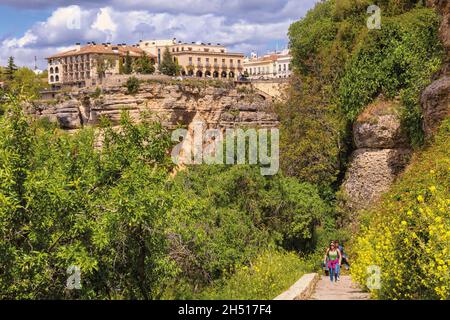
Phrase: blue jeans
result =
(338, 270)
(333, 272)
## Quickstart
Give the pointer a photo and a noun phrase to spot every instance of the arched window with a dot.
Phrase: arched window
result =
(216, 74)
(231, 74)
(224, 74)
(52, 79)
(56, 70)
(208, 74)
(57, 78)
(199, 74)
(51, 70)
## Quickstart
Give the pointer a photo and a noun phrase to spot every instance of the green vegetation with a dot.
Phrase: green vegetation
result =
(407, 235)
(169, 66)
(133, 85)
(270, 274)
(10, 69)
(128, 65)
(341, 66)
(26, 82)
(134, 231)
(22, 81)
(144, 65)
(397, 60)
(97, 93)
(139, 231)
(103, 64)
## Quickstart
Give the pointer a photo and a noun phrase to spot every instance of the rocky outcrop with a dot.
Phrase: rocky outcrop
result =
(435, 103)
(171, 104)
(435, 99)
(382, 152)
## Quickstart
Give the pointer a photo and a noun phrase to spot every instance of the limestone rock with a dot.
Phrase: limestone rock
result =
(435, 102)
(379, 126)
(171, 104)
(382, 152)
(371, 173)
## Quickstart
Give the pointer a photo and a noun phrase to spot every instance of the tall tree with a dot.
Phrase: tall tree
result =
(10, 69)
(169, 66)
(103, 64)
(145, 65)
(128, 67)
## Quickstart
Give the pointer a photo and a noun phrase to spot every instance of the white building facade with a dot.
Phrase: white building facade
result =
(269, 66)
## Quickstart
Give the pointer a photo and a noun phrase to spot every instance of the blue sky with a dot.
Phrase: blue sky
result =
(42, 27)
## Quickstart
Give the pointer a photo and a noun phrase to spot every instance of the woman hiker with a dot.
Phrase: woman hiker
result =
(334, 258)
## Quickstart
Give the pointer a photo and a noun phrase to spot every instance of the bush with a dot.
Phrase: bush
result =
(100, 210)
(407, 235)
(117, 214)
(340, 67)
(398, 60)
(270, 274)
(133, 85)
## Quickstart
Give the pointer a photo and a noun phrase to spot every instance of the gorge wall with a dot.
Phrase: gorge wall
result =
(172, 104)
(382, 152)
(382, 149)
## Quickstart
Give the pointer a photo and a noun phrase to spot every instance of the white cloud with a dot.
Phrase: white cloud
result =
(104, 21)
(27, 39)
(239, 25)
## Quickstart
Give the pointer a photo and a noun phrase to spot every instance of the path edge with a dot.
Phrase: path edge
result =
(302, 289)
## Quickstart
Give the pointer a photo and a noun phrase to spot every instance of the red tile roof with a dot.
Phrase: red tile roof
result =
(102, 49)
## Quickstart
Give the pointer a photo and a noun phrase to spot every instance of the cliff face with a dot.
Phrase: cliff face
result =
(435, 98)
(382, 149)
(382, 152)
(171, 104)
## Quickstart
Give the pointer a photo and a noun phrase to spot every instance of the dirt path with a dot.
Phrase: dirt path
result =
(344, 289)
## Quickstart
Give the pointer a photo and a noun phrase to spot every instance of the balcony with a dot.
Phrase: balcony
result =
(199, 65)
(207, 65)
(216, 65)
(224, 66)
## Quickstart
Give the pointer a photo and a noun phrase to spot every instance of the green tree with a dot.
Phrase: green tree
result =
(121, 66)
(133, 85)
(128, 66)
(28, 83)
(11, 68)
(169, 66)
(145, 65)
(103, 64)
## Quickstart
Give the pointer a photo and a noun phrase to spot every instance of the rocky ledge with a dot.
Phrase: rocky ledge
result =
(382, 152)
(171, 104)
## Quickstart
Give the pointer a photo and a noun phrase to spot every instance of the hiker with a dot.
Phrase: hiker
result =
(343, 254)
(333, 258)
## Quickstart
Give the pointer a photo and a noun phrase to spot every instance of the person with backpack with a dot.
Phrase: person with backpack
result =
(333, 259)
(343, 254)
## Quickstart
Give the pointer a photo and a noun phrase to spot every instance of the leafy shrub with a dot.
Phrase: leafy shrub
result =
(340, 67)
(100, 210)
(270, 274)
(407, 235)
(97, 93)
(116, 213)
(133, 85)
(399, 60)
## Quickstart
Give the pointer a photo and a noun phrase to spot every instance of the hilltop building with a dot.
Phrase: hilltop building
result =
(269, 66)
(198, 59)
(80, 66)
